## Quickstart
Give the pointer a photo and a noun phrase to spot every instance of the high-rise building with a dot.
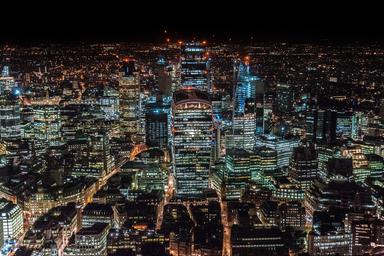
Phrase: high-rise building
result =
(292, 214)
(243, 129)
(367, 231)
(266, 161)
(46, 126)
(164, 74)
(263, 111)
(284, 99)
(109, 104)
(237, 173)
(7, 83)
(157, 124)
(244, 108)
(328, 235)
(195, 66)
(321, 126)
(11, 221)
(283, 146)
(192, 140)
(9, 117)
(303, 165)
(346, 125)
(129, 88)
(92, 155)
(10, 125)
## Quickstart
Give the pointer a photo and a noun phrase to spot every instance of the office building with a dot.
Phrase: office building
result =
(195, 66)
(129, 89)
(266, 161)
(292, 214)
(303, 166)
(97, 213)
(237, 174)
(11, 222)
(321, 126)
(89, 241)
(328, 235)
(10, 125)
(157, 125)
(284, 99)
(283, 146)
(46, 126)
(192, 141)
(244, 109)
(259, 240)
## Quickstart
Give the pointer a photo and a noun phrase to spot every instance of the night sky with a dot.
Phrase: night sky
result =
(212, 20)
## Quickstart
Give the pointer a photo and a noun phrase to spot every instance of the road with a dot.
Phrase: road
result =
(227, 229)
(167, 197)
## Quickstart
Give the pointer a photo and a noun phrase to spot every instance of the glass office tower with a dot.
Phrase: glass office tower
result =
(192, 141)
(244, 108)
(129, 89)
(195, 66)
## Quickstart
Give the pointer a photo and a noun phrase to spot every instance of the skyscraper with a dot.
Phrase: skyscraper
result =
(11, 221)
(195, 66)
(156, 127)
(321, 126)
(7, 83)
(129, 88)
(46, 126)
(284, 99)
(237, 173)
(244, 108)
(9, 117)
(303, 165)
(192, 141)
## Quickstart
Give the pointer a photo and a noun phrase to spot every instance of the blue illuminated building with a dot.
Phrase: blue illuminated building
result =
(244, 112)
(157, 124)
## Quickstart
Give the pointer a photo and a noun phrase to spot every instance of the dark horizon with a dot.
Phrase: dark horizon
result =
(40, 22)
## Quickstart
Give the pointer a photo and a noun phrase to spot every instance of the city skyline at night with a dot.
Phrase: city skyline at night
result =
(202, 130)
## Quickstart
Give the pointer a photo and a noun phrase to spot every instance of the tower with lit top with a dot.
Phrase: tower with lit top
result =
(129, 89)
(192, 141)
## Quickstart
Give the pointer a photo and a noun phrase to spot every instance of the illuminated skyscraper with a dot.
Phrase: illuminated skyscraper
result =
(129, 87)
(284, 99)
(283, 146)
(11, 221)
(237, 173)
(156, 126)
(7, 83)
(266, 159)
(195, 66)
(46, 126)
(244, 108)
(192, 141)
(303, 165)
(109, 103)
(93, 155)
(5, 71)
(321, 126)
(9, 117)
